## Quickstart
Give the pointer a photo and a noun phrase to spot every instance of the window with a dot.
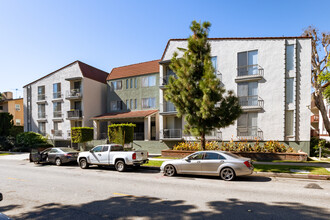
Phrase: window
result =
(135, 105)
(17, 107)
(116, 105)
(126, 83)
(248, 93)
(289, 123)
(213, 156)
(1, 107)
(18, 121)
(247, 63)
(57, 109)
(289, 90)
(148, 81)
(41, 93)
(131, 104)
(42, 128)
(148, 103)
(135, 82)
(53, 151)
(196, 156)
(127, 104)
(56, 90)
(116, 85)
(289, 57)
(105, 148)
(131, 84)
(41, 111)
(214, 64)
(247, 124)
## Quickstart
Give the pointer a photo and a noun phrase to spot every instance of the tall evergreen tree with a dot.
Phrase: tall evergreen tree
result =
(196, 93)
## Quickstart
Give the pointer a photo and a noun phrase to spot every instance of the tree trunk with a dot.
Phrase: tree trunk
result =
(319, 102)
(203, 141)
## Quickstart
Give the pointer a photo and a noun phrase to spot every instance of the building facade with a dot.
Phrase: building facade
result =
(270, 76)
(12, 106)
(132, 97)
(63, 99)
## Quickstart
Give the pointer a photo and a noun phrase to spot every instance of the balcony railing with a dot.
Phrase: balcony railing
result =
(72, 114)
(251, 101)
(41, 115)
(43, 133)
(250, 70)
(166, 79)
(214, 135)
(138, 136)
(168, 107)
(57, 133)
(171, 133)
(314, 118)
(57, 95)
(58, 114)
(249, 133)
(73, 93)
(41, 97)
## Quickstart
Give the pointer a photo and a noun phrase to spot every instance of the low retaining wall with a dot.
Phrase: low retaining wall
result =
(252, 155)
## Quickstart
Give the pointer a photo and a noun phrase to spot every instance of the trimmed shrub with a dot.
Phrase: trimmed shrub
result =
(6, 143)
(30, 140)
(15, 130)
(81, 134)
(121, 133)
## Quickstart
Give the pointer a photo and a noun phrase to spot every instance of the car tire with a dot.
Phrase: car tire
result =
(120, 166)
(83, 163)
(169, 170)
(227, 174)
(58, 161)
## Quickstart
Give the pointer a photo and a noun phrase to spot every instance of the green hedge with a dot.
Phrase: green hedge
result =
(6, 123)
(15, 130)
(121, 133)
(81, 134)
(27, 140)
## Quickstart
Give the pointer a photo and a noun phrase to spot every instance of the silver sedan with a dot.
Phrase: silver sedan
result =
(214, 163)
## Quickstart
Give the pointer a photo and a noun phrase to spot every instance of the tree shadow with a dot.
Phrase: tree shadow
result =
(237, 179)
(9, 207)
(132, 207)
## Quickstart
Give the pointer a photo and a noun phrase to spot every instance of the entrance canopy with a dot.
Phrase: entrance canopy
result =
(125, 115)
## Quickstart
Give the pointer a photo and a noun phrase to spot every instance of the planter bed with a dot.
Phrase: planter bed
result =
(252, 155)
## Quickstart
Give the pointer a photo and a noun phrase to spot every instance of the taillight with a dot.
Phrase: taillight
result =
(68, 155)
(247, 163)
(134, 156)
(147, 154)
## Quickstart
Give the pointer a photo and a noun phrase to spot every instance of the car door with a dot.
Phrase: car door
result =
(104, 155)
(52, 155)
(211, 163)
(96, 155)
(192, 164)
(35, 156)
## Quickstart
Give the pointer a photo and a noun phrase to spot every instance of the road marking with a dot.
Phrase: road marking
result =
(11, 178)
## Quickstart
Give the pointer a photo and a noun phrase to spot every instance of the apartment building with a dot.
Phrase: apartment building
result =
(12, 106)
(65, 98)
(270, 76)
(132, 97)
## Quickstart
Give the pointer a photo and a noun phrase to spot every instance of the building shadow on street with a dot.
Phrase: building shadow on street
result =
(133, 207)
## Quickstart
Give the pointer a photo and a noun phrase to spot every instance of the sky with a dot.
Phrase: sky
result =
(38, 37)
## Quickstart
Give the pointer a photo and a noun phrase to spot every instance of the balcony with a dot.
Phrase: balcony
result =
(74, 114)
(214, 135)
(73, 94)
(249, 133)
(57, 114)
(251, 103)
(165, 80)
(57, 95)
(172, 134)
(41, 115)
(57, 133)
(41, 98)
(168, 108)
(43, 133)
(249, 73)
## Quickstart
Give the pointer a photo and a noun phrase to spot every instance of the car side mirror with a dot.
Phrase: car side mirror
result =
(1, 197)
(91, 151)
(187, 159)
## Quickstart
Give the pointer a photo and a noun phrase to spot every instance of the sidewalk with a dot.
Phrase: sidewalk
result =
(15, 156)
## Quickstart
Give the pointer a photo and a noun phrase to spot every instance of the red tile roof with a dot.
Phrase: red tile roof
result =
(119, 115)
(86, 70)
(237, 38)
(134, 70)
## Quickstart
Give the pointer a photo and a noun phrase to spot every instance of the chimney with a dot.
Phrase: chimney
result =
(7, 95)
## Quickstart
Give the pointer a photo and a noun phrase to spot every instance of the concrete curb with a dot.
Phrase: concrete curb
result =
(270, 174)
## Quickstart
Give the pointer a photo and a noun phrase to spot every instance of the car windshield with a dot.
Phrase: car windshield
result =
(67, 150)
(231, 155)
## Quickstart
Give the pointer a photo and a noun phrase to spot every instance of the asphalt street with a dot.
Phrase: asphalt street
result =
(34, 191)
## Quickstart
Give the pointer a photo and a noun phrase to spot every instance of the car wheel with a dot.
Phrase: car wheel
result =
(227, 174)
(169, 170)
(58, 162)
(120, 166)
(83, 164)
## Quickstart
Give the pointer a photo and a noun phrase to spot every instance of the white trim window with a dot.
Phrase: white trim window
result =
(149, 81)
(116, 85)
(289, 55)
(289, 90)
(17, 107)
(116, 105)
(149, 103)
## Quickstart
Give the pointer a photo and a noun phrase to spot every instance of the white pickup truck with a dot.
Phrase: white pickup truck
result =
(112, 154)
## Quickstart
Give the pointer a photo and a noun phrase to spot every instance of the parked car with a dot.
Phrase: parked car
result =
(112, 154)
(3, 216)
(55, 155)
(215, 163)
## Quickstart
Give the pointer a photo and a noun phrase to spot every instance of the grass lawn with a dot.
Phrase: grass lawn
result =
(287, 169)
(2, 154)
(153, 163)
